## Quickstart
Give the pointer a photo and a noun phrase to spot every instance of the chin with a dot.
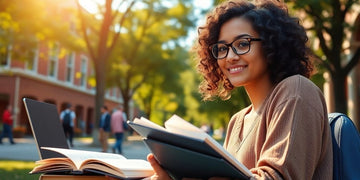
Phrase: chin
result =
(238, 84)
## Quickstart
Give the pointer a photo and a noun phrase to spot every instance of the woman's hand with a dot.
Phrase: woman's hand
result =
(160, 173)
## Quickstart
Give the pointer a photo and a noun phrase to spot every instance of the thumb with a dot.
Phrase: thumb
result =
(160, 173)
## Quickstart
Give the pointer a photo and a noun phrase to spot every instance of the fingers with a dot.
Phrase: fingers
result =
(155, 165)
(160, 173)
(111, 178)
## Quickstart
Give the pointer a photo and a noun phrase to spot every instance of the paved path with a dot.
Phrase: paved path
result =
(25, 148)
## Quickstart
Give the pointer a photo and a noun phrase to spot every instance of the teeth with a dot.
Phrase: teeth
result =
(236, 69)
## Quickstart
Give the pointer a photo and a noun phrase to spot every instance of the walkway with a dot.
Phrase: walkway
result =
(25, 148)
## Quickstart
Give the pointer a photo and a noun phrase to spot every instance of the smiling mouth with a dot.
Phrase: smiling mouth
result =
(236, 69)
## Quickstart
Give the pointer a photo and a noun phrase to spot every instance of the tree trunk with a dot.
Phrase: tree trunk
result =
(99, 96)
(339, 88)
(126, 100)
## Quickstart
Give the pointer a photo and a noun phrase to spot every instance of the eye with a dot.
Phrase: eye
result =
(241, 43)
(222, 48)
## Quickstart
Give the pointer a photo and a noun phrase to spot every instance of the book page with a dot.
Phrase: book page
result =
(227, 156)
(72, 177)
(56, 164)
(78, 156)
(123, 168)
(145, 122)
(180, 126)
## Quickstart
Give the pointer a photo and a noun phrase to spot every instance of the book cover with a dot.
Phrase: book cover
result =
(71, 177)
(186, 151)
(83, 162)
(175, 139)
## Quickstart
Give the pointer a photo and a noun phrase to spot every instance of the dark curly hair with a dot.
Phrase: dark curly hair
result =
(283, 43)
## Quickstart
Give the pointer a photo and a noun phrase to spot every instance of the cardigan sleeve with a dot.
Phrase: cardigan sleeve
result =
(295, 135)
(293, 143)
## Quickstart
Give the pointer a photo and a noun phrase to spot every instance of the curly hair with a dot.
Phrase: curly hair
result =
(283, 43)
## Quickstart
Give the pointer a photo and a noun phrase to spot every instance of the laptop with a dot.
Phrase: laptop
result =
(46, 127)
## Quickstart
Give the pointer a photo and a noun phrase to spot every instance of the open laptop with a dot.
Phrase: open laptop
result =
(46, 127)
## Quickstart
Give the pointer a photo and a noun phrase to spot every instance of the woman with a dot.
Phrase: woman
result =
(284, 133)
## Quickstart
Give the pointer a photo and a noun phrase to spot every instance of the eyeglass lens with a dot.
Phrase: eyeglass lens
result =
(239, 46)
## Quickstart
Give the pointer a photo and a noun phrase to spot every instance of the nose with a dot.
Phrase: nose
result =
(232, 56)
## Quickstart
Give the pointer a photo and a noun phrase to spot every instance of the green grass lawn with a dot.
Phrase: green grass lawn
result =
(11, 170)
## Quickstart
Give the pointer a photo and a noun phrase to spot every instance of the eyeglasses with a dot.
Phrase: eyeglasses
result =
(240, 46)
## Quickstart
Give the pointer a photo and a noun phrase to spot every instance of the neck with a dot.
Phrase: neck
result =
(258, 92)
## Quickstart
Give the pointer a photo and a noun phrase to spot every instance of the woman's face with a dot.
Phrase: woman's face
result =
(248, 68)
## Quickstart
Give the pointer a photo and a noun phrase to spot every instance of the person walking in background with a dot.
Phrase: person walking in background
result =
(118, 126)
(7, 119)
(67, 118)
(104, 128)
(83, 127)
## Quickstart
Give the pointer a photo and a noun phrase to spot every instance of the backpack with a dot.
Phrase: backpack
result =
(125, 125)
(67, 118)
(346, 147)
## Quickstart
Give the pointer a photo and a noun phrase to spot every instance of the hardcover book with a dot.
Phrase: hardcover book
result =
(72, 177)
(185, 151)
(79, 162)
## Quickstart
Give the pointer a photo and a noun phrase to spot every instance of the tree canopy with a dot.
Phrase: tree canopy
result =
(149, 59)
(329, 28)
(25, 23)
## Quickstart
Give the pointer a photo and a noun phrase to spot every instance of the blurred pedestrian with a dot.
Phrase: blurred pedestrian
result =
(82, 127)
(7, 118)
(67, 118)
(104, 128)
(118, 126)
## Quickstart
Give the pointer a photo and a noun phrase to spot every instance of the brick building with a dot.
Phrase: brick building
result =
(50, 73)
(49, 77)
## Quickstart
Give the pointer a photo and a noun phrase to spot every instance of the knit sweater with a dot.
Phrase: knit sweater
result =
(289, 138)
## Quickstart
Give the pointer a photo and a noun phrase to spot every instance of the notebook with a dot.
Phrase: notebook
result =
(46, 127)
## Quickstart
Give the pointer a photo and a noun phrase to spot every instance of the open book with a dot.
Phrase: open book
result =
(184, 150)
(83, 162)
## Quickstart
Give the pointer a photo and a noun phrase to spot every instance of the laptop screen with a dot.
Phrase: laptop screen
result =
(46, 127)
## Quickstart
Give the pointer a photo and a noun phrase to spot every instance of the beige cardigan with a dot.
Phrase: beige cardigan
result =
(291, 136)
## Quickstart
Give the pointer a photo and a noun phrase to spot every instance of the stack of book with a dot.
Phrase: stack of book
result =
(79, 164)
(186, 151)
(182, 149)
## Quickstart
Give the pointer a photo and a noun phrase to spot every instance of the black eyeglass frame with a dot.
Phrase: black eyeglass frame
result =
(249, 39)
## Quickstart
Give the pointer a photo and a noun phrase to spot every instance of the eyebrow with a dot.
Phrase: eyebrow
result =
(237, 37)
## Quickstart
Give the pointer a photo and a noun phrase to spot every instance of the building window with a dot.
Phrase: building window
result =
(70, 67)
(83, 71)
(32, 59)
(115, 92)
(107, 93)
(53, 59)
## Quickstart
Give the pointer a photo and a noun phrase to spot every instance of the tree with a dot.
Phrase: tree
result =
(150, 37)
(328, 25)
(163, 91)
(101, 38)
(25, 23)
